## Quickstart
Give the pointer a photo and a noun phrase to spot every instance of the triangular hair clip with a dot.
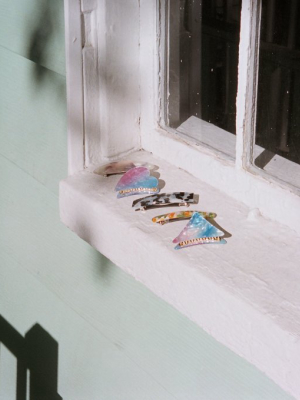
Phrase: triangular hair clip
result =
(135, 181)
(198, 231)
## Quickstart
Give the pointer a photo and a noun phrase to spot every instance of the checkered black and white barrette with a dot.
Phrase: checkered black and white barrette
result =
(164, 200)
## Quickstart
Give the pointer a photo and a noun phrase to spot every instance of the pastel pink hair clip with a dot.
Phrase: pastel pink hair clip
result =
(137, 181)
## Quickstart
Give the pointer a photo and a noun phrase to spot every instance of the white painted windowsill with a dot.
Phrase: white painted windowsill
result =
(245, 293)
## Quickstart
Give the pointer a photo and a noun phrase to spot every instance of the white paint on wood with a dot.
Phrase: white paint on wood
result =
(152, 33)
(74, 86)
(278, 166)
(88, 5)
(247, 82)
(119, 79)
(91, 83)
(243, 293)
(273, 199)
(205, 133)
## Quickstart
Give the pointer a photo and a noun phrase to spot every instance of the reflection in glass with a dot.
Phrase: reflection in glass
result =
(203, 61)
(278, 103)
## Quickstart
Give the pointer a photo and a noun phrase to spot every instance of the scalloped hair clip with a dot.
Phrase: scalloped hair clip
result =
(198, 231)
(135, 181)
(180, 215)
(164, 200)
(120, 167)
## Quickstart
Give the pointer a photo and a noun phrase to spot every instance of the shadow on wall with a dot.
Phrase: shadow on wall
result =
(40, 44)
(36, 352)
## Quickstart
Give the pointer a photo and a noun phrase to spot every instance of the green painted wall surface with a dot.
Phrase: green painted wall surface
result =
(116, 339)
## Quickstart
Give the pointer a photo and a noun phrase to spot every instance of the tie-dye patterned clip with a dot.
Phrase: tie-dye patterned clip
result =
(135, 181)
(198, 231)
(180, 215)
(165, 199)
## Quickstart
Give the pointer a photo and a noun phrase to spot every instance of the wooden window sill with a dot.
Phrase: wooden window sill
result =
(245, 293)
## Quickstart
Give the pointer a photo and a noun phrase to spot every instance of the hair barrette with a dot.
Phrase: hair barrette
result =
(165, 199)
(135, 181)
(180, 215)
(198, 231)
(120, 167)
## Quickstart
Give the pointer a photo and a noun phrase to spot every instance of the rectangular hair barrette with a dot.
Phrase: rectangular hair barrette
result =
(180, 215)
(165, 199)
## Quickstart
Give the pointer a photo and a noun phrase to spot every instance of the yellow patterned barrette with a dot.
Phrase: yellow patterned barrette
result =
(180, 215)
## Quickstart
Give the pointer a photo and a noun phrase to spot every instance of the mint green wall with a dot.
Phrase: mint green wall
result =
(116, 339)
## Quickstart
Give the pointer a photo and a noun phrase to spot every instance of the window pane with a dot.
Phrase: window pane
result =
(202, 69)
(278, 102)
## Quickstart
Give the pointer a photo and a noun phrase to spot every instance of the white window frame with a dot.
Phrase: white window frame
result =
(101, 129)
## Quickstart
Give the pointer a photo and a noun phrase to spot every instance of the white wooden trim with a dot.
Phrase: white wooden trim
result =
(247, 82)
(103, 76)
(118, 73)
(90, 73)
(75, 116)
(151, 79)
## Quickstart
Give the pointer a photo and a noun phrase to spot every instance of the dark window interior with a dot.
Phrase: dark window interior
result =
(208, 52)
(203, 69)
(278, 105)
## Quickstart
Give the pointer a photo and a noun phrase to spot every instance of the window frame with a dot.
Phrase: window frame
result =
(239, 178)
(246, 102)
(88, 141)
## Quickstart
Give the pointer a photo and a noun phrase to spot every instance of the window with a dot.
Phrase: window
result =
(122, 96)
(202, 57)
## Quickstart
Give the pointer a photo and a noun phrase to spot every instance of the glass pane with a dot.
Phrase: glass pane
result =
(278, 102)
(202, 69)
